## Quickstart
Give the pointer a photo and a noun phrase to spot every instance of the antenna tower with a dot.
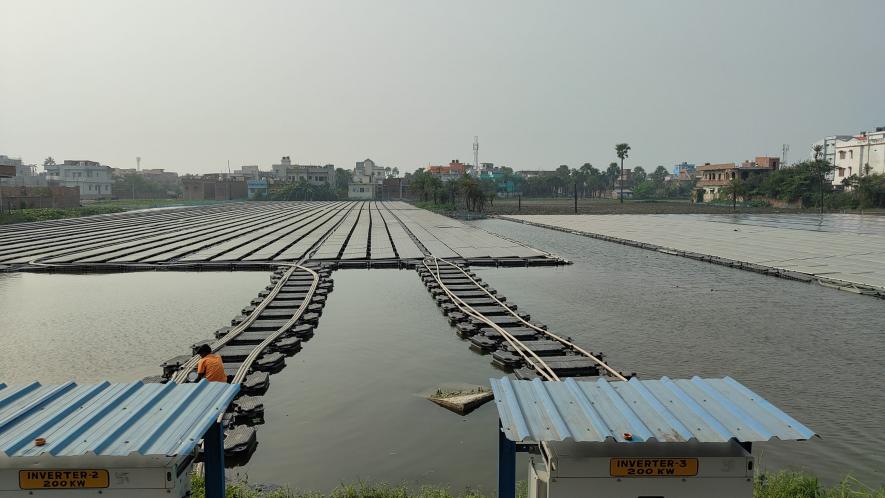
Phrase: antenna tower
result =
(784, 150)
(476, 154)
(138, 163)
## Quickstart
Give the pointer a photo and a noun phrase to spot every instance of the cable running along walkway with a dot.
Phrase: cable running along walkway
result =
(454, 282)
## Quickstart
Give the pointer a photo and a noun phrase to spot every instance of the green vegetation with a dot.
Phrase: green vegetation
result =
(305, 191)
(451, 393)
(778, 485)
(26, 215)
(360, 490)
(804, 183)
(800, 485)
(129, 204)
(136, 185)
(466, 192)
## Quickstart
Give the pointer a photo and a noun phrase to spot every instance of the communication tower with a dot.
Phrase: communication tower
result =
(476, 154)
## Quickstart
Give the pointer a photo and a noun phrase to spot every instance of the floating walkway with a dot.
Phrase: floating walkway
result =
(494, 326)
(832, 251)
(274, 326)
(255, 235)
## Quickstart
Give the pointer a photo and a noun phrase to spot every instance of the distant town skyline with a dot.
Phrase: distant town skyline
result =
(187, 87)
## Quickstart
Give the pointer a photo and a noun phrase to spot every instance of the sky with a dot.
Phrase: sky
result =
(189, 86)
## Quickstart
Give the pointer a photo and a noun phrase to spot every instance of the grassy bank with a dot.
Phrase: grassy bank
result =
(779, 485)
(26, 215)
(129, 204)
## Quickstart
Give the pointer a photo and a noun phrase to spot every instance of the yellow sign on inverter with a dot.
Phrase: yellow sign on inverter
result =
(653, 467)
(63, 479)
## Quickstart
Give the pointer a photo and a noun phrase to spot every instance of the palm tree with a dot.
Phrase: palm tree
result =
(622, 151)
(818, 149)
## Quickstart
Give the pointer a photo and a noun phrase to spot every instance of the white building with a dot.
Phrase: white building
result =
(367, 176)
(25, 174)
(858, 154)
(93, 179)
(313, 174)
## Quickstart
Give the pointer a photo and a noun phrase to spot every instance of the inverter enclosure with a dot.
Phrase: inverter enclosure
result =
(134, 440)
(135, 476)
(570, 470)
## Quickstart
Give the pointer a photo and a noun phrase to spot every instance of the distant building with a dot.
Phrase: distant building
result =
(367, 178)
(396, 188)
(625, 178)
(828, 153)
(93, 179)
(858, 154)
(684, 166)
(285, 171)
(250, 170)
(19, 174)
(213, 188)
(715, 177)
(455, 169)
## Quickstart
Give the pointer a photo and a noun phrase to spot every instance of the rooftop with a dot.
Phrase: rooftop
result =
(136, 419)
(665, 410)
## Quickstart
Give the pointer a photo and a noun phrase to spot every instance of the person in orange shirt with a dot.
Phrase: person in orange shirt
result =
(210, 366)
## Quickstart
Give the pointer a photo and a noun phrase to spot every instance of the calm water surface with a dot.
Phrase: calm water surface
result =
(116, 327)
(348, 407)
(817, 353)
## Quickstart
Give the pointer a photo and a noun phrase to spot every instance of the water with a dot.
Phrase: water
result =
(347, 408)
(814, 352)
(116, 327)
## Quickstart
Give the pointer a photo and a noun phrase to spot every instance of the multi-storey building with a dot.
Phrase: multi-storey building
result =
(716, 177)
(859, 155)
(456, 169)
(285, 171)
(367, 178)
(93, 179)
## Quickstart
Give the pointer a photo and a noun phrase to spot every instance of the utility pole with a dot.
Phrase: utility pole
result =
(576, 196)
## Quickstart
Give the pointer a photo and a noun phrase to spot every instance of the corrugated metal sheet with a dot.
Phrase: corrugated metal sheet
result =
(665, 410)
(108, 419)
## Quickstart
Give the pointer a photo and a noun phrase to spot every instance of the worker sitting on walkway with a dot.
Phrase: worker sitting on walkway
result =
(210, 366)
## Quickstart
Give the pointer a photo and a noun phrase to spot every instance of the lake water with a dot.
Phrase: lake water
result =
(348, 407)
(116, 327)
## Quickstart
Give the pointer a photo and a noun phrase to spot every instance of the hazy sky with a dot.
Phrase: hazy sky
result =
(189, 85)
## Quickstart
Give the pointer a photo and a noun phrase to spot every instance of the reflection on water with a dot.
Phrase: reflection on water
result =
(116, 327)
(348, 407)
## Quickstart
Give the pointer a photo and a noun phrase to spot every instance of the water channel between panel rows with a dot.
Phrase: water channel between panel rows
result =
(347, 407)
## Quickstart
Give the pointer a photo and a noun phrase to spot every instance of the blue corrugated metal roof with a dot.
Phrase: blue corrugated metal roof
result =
(704, 410)
(108, 419)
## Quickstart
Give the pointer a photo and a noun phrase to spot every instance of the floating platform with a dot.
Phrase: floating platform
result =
(485, 339)
(274, 320)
